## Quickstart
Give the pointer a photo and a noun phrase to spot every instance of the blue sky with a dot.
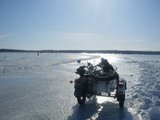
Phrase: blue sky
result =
(80, 24)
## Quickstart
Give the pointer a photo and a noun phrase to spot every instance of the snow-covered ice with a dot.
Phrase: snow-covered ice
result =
(37, 87)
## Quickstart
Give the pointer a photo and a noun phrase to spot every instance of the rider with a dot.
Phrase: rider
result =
(105, 65)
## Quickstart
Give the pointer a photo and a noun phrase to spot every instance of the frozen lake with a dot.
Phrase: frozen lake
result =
(37, 87)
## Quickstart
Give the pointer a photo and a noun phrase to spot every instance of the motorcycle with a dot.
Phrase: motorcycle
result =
(94, 81)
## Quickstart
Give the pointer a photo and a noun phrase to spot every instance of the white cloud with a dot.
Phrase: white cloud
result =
(2, 36)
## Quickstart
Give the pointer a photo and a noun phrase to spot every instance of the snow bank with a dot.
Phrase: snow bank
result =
(145, 93)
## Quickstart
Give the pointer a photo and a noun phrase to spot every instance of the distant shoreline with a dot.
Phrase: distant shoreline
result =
(86, 51)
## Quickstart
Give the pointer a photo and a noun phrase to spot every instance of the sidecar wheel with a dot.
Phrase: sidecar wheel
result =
(121, 99)
(81, 100)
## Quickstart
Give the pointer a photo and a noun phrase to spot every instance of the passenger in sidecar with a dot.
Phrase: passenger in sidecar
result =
(105, 65)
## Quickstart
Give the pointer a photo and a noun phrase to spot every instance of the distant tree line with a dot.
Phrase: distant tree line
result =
(86, 51)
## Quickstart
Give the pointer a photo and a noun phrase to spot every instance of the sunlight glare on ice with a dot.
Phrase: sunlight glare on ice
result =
(101, 100)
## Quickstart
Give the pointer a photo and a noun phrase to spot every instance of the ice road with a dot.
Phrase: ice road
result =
(37, 87)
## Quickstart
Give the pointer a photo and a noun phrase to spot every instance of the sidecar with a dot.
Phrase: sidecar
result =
(104, 83)
(107, 83)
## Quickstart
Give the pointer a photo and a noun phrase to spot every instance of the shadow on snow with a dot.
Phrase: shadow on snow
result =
(95, 111)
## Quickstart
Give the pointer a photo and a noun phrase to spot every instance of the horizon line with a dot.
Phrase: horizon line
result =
(83, 51)
(76, 50)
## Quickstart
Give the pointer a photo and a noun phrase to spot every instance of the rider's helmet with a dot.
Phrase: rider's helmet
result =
(80, 70)
(104, 61)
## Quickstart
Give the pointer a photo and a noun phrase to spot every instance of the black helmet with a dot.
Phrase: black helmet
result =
(104, 61)
(80, 70)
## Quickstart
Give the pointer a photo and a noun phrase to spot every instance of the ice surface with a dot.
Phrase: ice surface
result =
(37, 87)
